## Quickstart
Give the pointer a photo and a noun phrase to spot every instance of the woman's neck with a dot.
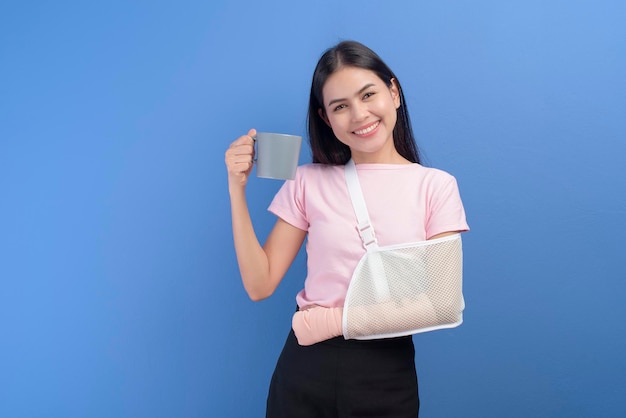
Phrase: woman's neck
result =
(391, 156)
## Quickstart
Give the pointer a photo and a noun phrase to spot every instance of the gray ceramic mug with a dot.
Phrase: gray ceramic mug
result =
(277, 155)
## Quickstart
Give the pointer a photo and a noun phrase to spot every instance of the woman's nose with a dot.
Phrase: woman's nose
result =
(359, 111)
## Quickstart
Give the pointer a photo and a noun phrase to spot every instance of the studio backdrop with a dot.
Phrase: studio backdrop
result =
(119, 289)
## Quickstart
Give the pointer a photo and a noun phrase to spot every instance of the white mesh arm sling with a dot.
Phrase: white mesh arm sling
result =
(401, 289)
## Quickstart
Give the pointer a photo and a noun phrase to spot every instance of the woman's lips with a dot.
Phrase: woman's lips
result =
(367, 129)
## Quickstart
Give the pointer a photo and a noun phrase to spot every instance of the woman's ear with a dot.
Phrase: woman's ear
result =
(395, 92)
(323, 116)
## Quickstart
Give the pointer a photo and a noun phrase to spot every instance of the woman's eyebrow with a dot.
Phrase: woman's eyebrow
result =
(365, 87)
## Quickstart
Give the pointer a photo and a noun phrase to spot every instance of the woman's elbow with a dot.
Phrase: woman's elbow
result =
(257, 295)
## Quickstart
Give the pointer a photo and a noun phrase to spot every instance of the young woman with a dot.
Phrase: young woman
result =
(356, 111)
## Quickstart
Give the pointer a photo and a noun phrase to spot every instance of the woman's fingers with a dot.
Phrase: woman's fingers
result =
(239, 157)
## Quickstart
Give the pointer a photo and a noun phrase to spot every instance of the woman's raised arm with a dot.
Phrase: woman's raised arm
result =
(261, 267)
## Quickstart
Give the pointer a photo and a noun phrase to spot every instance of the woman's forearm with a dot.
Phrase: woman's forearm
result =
(251, 258)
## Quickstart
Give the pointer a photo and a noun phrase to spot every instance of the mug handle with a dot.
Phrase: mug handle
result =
(255, 147)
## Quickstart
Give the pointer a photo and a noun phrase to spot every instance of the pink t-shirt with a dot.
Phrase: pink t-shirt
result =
(406, 203)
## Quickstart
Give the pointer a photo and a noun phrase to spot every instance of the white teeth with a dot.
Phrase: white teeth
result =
(367, 130)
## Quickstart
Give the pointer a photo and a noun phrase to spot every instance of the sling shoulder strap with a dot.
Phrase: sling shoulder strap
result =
(364, 225)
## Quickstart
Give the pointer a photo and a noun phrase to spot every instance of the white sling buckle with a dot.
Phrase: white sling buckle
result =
(401, 289)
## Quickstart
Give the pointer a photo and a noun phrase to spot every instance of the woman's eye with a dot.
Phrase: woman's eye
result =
(368, 95)
(341, 106)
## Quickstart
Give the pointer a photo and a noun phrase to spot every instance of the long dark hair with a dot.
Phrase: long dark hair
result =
(325, 146)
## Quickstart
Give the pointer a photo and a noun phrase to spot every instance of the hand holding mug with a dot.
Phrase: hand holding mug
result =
(239, 159)
(276, 156)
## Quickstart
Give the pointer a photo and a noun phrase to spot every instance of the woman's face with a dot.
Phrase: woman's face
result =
(361, 110)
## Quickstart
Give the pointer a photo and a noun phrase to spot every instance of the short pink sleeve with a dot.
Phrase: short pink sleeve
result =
(445, 212)
(288, 204)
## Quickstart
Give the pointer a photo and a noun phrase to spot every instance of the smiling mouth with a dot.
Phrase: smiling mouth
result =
(368, 129)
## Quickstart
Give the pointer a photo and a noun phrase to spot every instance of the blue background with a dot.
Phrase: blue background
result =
(119, 291)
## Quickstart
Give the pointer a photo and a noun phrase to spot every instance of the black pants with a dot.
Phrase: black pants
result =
(345, 378)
